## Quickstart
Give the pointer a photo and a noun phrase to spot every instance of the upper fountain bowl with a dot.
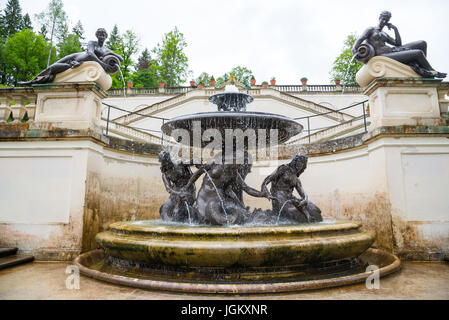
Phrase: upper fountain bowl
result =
(231, 99)
(285, 128)
(232, 115)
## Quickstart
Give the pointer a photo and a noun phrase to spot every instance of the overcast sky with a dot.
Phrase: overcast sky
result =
(287, 39)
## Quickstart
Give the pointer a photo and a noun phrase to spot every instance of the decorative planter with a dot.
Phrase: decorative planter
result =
(264, 84)
(130, 85)
(212, 83)
(161, 84)
(252, 82)
(304, 82)
(192, 83)
(200, 86)
(337, 82)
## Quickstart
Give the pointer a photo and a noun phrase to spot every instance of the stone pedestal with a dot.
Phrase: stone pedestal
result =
(89, 71)
(405, 101)
(74, 106)
(383, 67)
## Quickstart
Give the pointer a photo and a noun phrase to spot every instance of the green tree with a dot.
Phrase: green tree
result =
(242, 74)
(26, 22)
(171, 60)
(146, 71)
(70, 45)
(43, 32)
(54, 18)
(146, 77)
(78, 30)
(12, 20)
(25, 55)
(344, 67)
(3, 65)
(144, 60)
(128, 45)
(114, 39)
(203, 78)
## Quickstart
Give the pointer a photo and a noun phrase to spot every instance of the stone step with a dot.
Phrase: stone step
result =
(10, 261)
(4, 252)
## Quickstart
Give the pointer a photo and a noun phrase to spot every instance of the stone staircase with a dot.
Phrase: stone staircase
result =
(118, 125)
(132, 133)
(256, 93)
(10, 258)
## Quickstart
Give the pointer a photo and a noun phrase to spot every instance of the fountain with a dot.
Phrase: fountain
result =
(211, 242)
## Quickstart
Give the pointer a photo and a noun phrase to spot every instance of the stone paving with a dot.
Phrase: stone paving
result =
(47, 280)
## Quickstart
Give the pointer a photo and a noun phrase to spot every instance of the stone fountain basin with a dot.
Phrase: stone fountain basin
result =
(151, 243)
(235, 260)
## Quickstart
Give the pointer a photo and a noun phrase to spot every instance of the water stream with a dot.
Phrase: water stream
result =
(347, 71)
(123, 81)
(282, 208)
(218, 194)
(188, 212)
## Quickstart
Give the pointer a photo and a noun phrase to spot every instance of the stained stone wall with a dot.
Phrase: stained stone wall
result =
(59, 188)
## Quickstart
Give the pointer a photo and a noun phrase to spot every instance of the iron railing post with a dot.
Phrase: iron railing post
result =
(163, 122)
(107, 120)
(308, 127)
(364, 116)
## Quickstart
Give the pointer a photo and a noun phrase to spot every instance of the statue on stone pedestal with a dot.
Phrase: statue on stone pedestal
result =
(375, 42)
(96, 51)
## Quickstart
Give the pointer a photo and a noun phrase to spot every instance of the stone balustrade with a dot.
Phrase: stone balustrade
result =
(17, 104)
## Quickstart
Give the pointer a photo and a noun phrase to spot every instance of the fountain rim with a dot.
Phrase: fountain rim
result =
(223, 114)
(85, 260)
(129, 227)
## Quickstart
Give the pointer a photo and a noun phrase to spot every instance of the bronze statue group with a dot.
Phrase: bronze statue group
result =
(220, 198)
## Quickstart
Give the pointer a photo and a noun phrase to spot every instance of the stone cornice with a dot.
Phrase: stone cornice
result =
(54, 87)
(405, 82)
(31, 132)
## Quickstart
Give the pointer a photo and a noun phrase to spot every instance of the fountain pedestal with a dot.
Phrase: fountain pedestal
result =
(264, 259)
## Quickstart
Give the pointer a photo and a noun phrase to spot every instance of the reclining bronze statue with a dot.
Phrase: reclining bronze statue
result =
(96, 51)
(375, 42)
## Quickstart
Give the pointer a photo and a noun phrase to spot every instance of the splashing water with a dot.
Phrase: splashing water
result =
(230, 88)
(188, 212)
(347, 71)
(123, 81)
(282, 208)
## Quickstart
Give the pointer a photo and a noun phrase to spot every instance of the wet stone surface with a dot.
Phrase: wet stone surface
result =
(47, 280)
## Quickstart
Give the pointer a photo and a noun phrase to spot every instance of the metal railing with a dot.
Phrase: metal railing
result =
(142, 132)
(145, 134)
(309, 129)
